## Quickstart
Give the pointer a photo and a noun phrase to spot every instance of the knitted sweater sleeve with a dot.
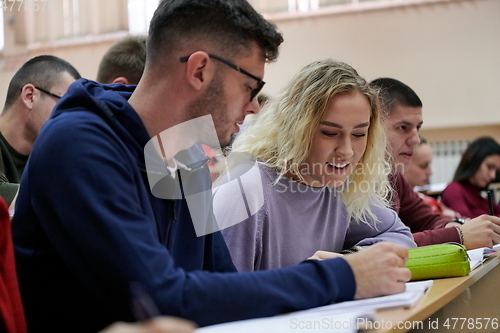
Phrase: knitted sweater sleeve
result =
(427, 228)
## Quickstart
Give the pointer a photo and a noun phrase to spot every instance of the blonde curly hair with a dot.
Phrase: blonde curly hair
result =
(282, 134)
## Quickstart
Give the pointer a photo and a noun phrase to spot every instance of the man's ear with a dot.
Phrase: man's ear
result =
(121, 79)
(199, 72)
(27, 96)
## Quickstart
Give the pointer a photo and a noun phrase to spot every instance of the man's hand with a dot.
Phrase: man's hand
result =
(379, 270)
(322, 255)
(162, 324)
(482, 231)
(13, 203)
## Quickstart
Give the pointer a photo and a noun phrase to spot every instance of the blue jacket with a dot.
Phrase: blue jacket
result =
(86, 226)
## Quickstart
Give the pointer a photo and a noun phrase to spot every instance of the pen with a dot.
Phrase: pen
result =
(490, 202)
(143, 306)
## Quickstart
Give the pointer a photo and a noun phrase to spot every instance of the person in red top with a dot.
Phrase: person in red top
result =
(403, 119)
(419, 174)
(12, 318)
(476, 170)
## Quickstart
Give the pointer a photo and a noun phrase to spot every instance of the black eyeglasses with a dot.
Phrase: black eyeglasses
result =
(48, 92)
(254, 91)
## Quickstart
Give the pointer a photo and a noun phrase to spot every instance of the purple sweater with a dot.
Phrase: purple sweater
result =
(295, 221)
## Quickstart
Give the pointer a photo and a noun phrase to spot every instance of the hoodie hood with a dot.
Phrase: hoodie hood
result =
(109, 102)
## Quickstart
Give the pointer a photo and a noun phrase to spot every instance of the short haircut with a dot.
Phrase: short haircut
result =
(473, 157)
(126, 58)
(229, 26)
(44, 71)
(393, 93)
(282, 135)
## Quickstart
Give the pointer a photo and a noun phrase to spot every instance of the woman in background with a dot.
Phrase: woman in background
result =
(319, 178)
(476, 170)
(419, 174)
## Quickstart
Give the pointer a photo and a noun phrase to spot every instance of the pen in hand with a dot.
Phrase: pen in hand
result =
(490, 202)
(143, 306)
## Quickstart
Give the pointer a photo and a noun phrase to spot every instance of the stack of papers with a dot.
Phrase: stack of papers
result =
(431, 187)
(407, 299)
(478, 256)
(343, 323)
(343, 317)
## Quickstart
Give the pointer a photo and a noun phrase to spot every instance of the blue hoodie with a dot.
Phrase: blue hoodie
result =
(86, 226)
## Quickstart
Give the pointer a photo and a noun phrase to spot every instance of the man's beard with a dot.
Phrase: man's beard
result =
(213, 102)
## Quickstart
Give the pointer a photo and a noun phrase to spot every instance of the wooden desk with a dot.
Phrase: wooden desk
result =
(475, 296)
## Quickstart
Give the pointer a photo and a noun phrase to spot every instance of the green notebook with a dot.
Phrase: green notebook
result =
(438, 261)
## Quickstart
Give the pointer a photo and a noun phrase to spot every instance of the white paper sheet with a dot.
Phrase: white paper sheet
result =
(341, 317)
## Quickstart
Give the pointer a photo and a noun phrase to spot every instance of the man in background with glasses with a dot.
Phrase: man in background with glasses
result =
(31, 96)
(88, 231)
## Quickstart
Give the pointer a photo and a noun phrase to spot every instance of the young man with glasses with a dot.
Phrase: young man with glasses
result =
(31, 96)
(83, 240)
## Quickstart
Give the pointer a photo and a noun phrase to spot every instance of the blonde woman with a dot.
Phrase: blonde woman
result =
(319, 148)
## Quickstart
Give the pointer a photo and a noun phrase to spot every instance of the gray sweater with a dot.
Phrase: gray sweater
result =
(291, 221)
